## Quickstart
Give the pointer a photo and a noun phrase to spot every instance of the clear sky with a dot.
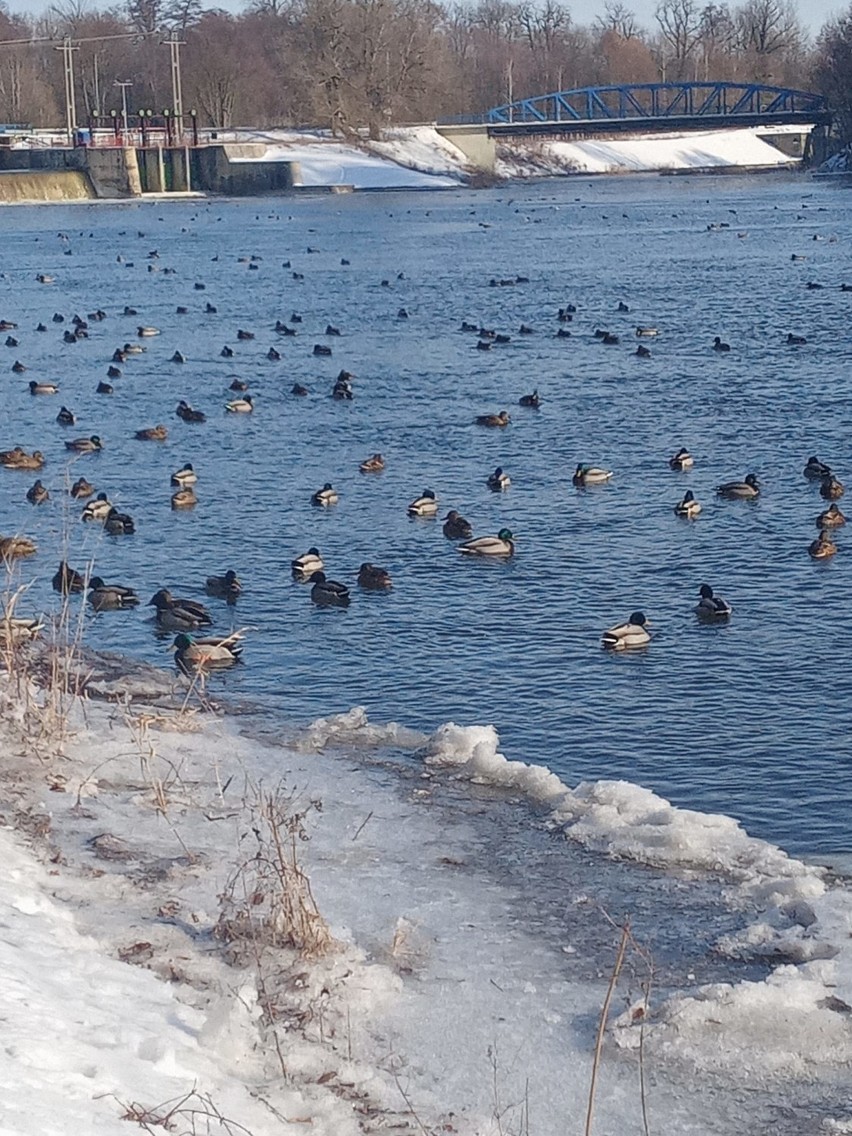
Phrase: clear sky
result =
(813, 13)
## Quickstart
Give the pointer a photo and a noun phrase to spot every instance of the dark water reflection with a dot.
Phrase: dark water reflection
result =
(749, 719)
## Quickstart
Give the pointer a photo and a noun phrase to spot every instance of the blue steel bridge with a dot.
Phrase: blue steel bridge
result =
(655, 106)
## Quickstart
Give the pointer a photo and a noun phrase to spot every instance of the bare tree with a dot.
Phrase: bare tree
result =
(768, 26)
(618, 18)
(680, 29)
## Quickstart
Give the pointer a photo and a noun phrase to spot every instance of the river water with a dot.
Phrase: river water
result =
(748, 719)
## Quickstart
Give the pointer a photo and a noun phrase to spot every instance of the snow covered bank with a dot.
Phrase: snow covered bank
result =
(446, 992)
(695, 150)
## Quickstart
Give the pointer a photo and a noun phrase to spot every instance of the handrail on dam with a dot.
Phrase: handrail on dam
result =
(720, 103)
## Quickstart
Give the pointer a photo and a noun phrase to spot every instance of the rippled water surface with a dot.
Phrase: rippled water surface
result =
(750, 719)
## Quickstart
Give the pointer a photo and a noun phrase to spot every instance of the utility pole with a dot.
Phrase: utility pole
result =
(175, 44)
(124, 84)
(68, 48)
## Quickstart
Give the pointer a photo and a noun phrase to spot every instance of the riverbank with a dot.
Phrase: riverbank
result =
(400, 966)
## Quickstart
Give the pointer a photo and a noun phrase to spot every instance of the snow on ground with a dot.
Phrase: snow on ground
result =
(422, 148)
(683, 151)
(440, 997)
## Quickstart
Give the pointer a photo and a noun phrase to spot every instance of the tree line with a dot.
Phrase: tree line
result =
(354, 65)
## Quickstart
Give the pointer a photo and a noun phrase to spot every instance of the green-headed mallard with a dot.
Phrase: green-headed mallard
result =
(184, 477)
(498, 480)
(373, 578)
(193, 655)
(97, 510)
(226, 587)
(687, 507)
(110, 597)
(242, 405)
(744, 490)
(710, 606)
(152, 434)
(304, 566)
(831, 518)
(629, 635)
(328, 592)
(590, 475)
(501, 419)
(66, 580)
(457, 527)
(426, 505)
(43, 388)
(325, 496)
(503, 544)
(147, 332)
(681, 460)
(175, 614)
(85, 445)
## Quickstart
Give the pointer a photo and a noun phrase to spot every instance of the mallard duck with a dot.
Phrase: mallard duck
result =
(152, 434)
(66, 580)
(20, 459)
(831, 489)
(18, 367)
(815, 470)
(103, 388)
(241, 334)
(242, 405)
(373, 578)
(110, 597)
(718, 345)
(174, 614)
(82, 488)
(184, 498)
(85, 445)
(748, 489)
(682, 460)
(832, 518)
(426, 505)
(178, 357)
(147, 332)
(193, 655)
(501, 419)
(65, 417)
(184, 476)
(97, 510)
(629, 635)
(304, 566)
(132, 349)
(498, 480)
(186, 412)
(531, 400)
(37, 494)
(119, 524)
(590, 475)
(823, 547)
(43, 388)
(503, 544)
(328, 592)
(226, 587)
(646, 332)
(374, 464)
(795, 340)
(456, 527)
(710, 606)
(299, 390)
(15, 547)
(325, 496)
(687, 506)
(17, 629)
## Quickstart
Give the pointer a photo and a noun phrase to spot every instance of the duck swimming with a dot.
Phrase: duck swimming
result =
(710, 606)
(184, 476)
(66, 580)
(152, 434)
(119, 524)
(831, 489)
(227, 587)
(815, 470)
(718, 345)
(498, 480)
(503, 544)
(82, 488)
(426, 505)
(687, 507)
(14, 547)
(501, 419)
(629, 635)
(532, 400)
(97, 510)
(184, 498)
(823, 547)
(242, 405)
(590, 475)
(110, 597)
(745, 490)
(456, 527)
(374, 464)
(832, 518)
(186, 412)
(194, 655)
(65, 417)
(85, 445)
(174, 614)
(43, 388)
(328, 593)
(304, 566)
(682, 460)
(37, 494)
(372, 578)
(325, 496)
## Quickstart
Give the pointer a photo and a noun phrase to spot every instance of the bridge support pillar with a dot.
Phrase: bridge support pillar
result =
(474, 142)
